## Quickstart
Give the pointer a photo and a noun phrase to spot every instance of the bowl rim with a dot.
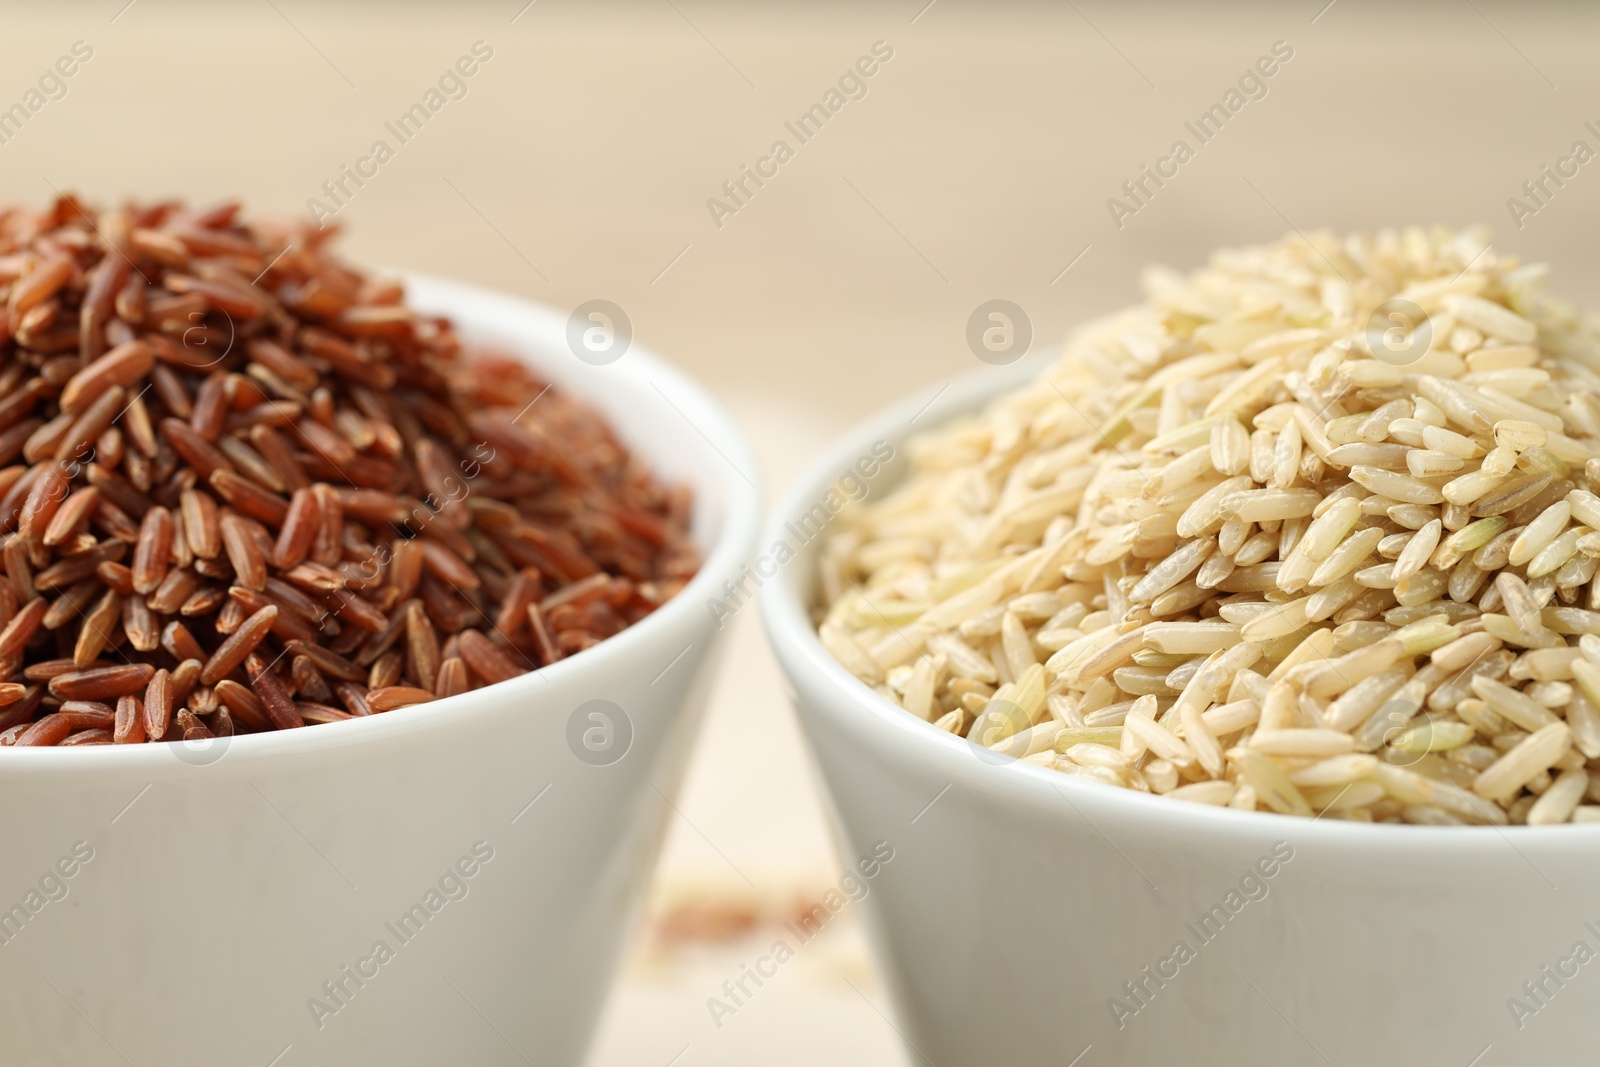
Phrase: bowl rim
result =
(741, 506)
(842, 703)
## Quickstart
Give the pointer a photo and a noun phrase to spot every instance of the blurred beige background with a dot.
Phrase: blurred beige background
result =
(977, 165)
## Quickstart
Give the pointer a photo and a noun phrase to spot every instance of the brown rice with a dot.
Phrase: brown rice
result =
(1230, 549)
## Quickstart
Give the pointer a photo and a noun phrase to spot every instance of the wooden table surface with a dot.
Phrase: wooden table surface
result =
(983, 157)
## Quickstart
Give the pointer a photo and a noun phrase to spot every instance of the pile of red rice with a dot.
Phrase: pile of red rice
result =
(244, 487)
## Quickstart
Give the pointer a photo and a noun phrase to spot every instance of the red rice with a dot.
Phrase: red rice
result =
(230, 506)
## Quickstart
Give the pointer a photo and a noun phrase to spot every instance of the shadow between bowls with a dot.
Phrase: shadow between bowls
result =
(1029, 918)
(447, 883)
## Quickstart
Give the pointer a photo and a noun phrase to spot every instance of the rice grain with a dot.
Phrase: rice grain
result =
(1281, 575)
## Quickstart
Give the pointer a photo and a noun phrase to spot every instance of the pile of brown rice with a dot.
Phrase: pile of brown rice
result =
(1220, 552)
(244, 487)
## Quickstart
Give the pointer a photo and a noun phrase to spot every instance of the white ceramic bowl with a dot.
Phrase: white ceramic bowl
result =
(1020, 902)
(214, 892)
